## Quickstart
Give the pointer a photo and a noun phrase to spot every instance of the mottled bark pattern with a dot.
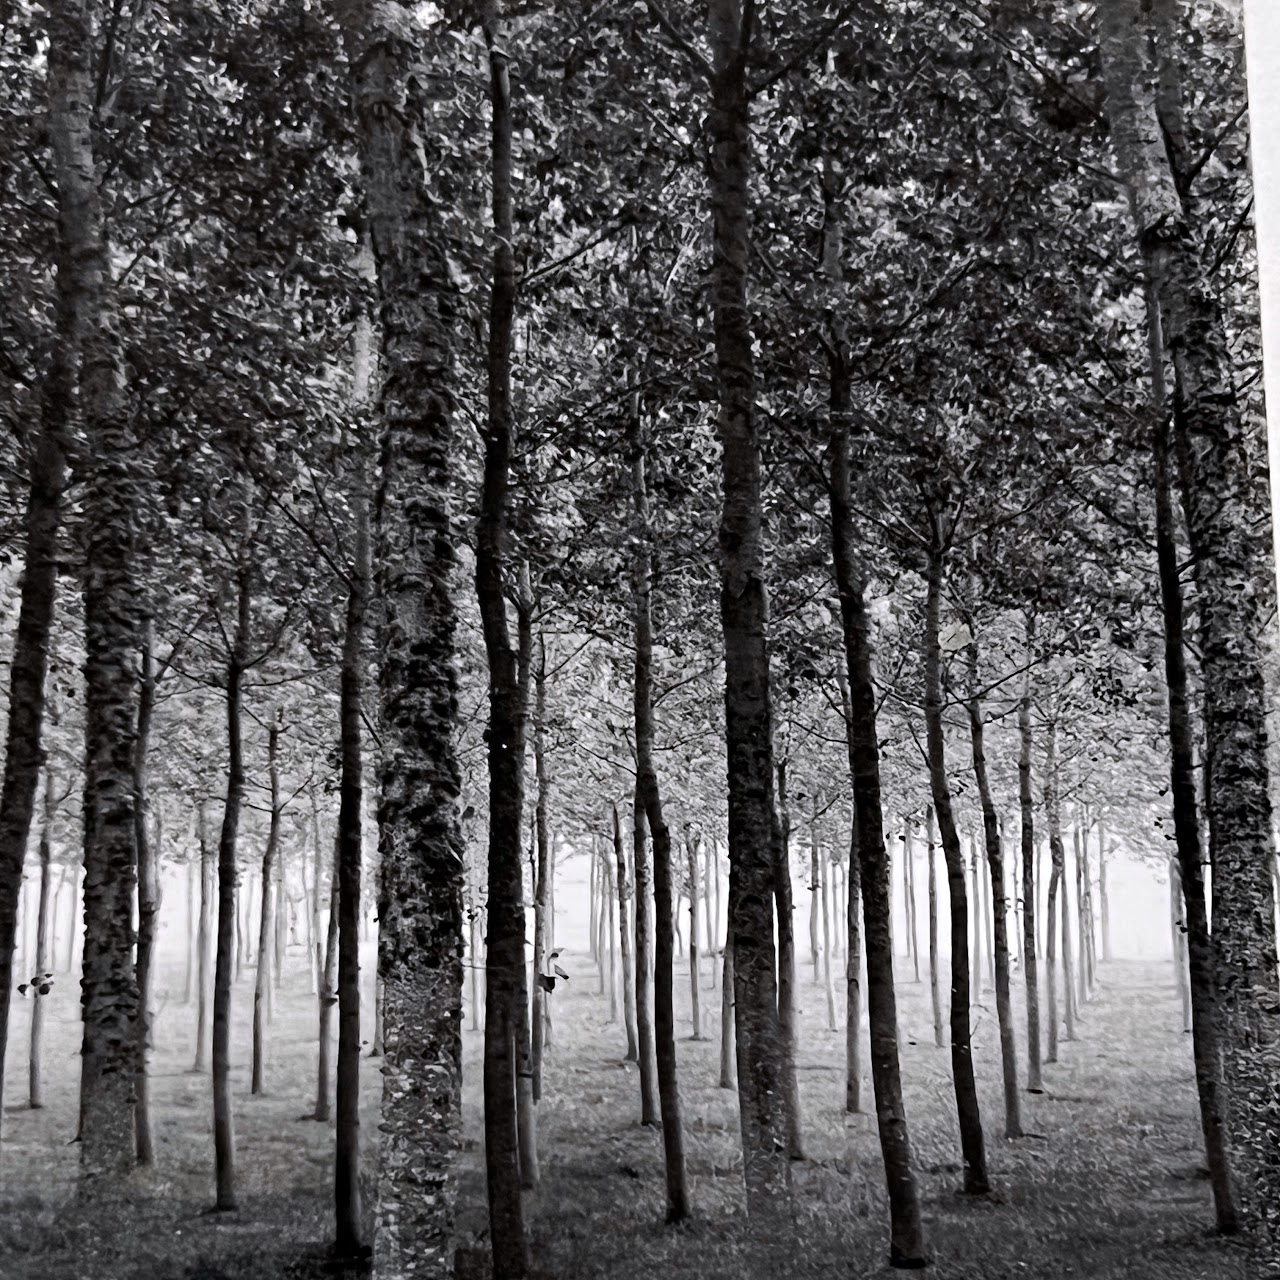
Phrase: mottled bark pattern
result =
(419, 835)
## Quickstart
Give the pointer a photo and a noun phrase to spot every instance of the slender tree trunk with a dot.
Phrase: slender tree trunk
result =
(868, 855)
(1104, 903)
(223, 1124)
(328, 999)
(208, 872)
(710, 872)
(822, 862)
(908, 862)
(995, 867)
(266, 918)
(1082, 931)
(41, 978)
(1029, 881)
(971, 1138)
(1051, 961)
(754, 838)
(939, 1034)
(644, 930)
(728, 1056)
(1178, 935)
(787, 972)
(695, 945)
(542, 868)
(148, 899)
(626, 937)
(975, 867)
(1058, 853)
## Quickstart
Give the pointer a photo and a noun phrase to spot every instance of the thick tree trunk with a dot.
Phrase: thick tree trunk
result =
(115, 509)
(971, 1138)
(626, 938)
(787, 972)
(753, 826)
(148, 899)
(1026, 807)
(1225, 503)
(995, 866)
(328, 998)
(223, 1124)
(939, 1033)
(266, 918)
(41, 978)
(404, 171)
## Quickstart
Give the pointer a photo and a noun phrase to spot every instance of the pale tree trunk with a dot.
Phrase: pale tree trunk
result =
(419, 834)
(266, 920)
(995, 867)
(1051, 963)
(972, 1144)
(650, 1110)
(204, 930)
(189, 979)
(754, 838)
(939, 1032)
(1224, 499)
(1030, 886)
(821, 864)
(148, 899)
(1178, 935)
(711, 874)
(609, 923)
(975, 870)
(328, 999)
(909, 883)
(115, 506)
(1104, 903)
(41, 978)
(787, 971)
(1082, 929)
(626, 937)
(695, 946)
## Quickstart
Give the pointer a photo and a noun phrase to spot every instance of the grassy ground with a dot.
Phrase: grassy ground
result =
(1109, 1188)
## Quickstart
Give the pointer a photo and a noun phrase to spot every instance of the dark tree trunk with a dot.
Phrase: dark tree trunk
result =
(626, 936)
(542, 869)
(972, 1146)
(787, 971)
(853, 981)
(266, 918)
(939, 1034)
(328, 999)
(753, 829)
(728, 1056)
(204, 930)
(995, 866)
(148, 899)
(30, 660)
(644, 925)
(41, 978)
(223, 1126)
(695, 943)
(1026, 808)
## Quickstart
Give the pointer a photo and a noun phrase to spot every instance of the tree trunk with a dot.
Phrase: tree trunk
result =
(823, 863)
(908, 862)
(787, 972)
(1051, 961)
(995, 867)
(939, 1034)
(1029, 883)
(542, 868)
(609, 923)
(1178, 936)
(1082, 929)
(266, 918)
(971, 1138)
(148, 899)
(853, 982)
(1057, 852)
(975, 867)
(1104, 903)
(728, 1056)
(695, 945)
(1225, 505)
(626, 936)
(754, 839)
(328, 998)
(41, 978)
(1200, 1006)
(114, 506)
(228, 916)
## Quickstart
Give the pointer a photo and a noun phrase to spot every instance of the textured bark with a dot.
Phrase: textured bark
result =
(224, 1149)
(695, 943)
(30, 660)
(1225, 503)
(853, 979)
(1026, 807)
(939, 1032)
(728, 1040)
(148, 898)
(995, 867)
(114, 503)
(1178, 936)
(328, 999)
(266, 914)
(41, 978)
(972, 1146)
(406, 183)
(787, 971)
(643, 922)
(753, 830)
(626, 937)
(542, 868)
(1187, 870)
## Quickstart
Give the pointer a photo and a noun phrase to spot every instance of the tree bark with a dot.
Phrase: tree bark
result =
(266, 916)
(1225, 504)
(971, 1138)
(787, 972)
(995, 867)
(148, 898)
(695, 942)
(1057, 851)
(650, 1111)
(204, 930)
(41, 978)
(939, 1034)
(328, 998)
(542, 868)
(728, 1056)
(626, 937)
(1026, 806)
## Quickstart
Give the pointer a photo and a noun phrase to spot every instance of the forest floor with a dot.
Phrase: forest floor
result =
(1110, 1186)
